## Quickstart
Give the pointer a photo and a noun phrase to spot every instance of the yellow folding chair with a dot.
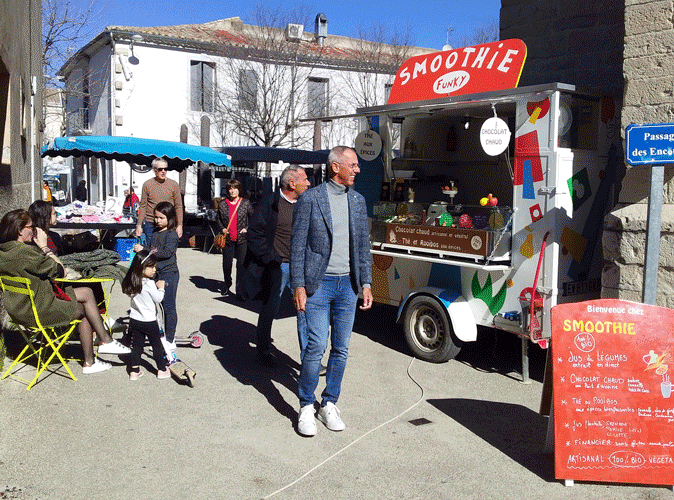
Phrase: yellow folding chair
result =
(43, 342)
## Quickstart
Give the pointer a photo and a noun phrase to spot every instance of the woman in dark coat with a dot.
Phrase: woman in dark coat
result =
(37, 262)
(240, 211)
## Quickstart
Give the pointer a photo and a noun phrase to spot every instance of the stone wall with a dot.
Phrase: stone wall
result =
(20, 75)
(649, 98)
(570, 41)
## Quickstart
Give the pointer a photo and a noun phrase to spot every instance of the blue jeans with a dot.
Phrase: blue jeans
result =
(169, 304)
(280, 281)
(335, 299)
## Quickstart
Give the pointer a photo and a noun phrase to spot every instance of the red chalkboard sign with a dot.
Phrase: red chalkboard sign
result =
(613, 365)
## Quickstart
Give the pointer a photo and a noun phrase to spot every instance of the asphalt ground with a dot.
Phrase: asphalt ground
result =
(465, 429)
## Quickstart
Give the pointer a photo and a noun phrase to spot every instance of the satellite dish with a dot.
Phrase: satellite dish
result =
(565, 118)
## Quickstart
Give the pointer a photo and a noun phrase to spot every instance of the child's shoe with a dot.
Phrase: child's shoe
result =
(165, 373)
(135, 375)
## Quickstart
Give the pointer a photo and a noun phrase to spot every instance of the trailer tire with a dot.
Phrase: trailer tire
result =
(428, 331)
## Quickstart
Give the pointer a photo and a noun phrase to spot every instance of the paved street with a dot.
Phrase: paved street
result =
(478, 433)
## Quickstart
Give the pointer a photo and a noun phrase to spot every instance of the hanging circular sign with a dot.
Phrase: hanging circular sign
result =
(368, 145)
(494, 136)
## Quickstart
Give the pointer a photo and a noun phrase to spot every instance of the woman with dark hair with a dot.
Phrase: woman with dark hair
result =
(234, 213)
(38, 263)
(43, 215)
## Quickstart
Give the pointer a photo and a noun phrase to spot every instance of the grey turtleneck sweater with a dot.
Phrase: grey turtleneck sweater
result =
(339, 264)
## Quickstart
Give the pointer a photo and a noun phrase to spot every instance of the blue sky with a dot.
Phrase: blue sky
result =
(427, 19)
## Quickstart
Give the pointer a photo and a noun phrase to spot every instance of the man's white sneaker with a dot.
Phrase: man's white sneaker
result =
(306, 422)
(97, 366)
(329, 415)
(114, 347)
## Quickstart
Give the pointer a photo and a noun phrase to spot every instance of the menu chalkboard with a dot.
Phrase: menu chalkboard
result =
(612, 394)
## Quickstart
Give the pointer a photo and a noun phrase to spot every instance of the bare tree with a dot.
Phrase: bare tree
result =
(375, 57)
(64, 26)
(257, 93)
(485, 33)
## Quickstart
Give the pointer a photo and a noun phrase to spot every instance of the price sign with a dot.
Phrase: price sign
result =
(368, 145)
(612, 392)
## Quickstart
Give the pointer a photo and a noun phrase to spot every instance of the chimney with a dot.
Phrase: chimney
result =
(321, 25)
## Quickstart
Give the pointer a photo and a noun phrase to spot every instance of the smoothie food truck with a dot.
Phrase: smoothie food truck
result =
(487, 200)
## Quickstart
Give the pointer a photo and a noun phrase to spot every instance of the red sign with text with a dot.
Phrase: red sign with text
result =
(467, 70)
(612, 392)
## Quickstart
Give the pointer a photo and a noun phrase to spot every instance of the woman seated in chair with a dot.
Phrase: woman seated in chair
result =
(43, 215)
(19, 258)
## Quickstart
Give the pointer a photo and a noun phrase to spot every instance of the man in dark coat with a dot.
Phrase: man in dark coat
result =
(268, 267)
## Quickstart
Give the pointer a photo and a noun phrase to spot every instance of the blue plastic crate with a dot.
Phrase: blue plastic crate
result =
(123, 247)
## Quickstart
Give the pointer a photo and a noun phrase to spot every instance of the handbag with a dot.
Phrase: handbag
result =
(220, 240)
(58, 291)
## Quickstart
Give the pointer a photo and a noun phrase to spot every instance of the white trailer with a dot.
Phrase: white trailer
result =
(506, 263)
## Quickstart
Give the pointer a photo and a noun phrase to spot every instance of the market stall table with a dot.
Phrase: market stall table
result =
(106, 230)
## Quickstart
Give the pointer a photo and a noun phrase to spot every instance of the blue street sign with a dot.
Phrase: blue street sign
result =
(650, 144)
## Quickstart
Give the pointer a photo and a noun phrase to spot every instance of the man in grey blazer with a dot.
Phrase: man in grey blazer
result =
(329, 262)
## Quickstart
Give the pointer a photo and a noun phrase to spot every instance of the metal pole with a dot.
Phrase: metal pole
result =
(654, 227)
(525, 361)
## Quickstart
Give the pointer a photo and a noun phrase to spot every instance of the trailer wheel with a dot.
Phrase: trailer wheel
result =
(428, 331)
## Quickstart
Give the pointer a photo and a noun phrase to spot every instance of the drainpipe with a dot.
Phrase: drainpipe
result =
(33, 91)
(111, 111)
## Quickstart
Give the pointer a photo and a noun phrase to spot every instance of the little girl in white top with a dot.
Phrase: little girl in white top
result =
(145, 295)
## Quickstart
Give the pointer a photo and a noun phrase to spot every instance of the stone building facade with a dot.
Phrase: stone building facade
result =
(625, 49)
(20, 103)
(648, 98)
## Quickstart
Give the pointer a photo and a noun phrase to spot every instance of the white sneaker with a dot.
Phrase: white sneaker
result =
(98, 366)
(329, 415)
(114, 347)
(306, 422)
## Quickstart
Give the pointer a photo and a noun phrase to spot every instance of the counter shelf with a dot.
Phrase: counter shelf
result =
(399, 230)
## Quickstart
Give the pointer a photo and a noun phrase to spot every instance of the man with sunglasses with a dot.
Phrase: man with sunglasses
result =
(329, 262)
(156, 190)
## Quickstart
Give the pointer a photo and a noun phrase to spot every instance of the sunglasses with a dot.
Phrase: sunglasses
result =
(161, 169)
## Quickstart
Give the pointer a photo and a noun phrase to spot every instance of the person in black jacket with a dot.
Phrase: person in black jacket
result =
(268, 267)
(81, 191)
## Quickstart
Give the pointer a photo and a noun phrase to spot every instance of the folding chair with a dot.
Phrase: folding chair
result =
(42, 341)
(101, 295)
